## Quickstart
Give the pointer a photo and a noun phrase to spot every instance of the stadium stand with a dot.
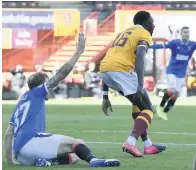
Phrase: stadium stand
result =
(52, 50)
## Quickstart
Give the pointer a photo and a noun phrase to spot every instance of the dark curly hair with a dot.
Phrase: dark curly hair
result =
(141, 17)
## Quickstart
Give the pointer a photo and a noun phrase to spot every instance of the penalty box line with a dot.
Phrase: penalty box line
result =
(122, 131)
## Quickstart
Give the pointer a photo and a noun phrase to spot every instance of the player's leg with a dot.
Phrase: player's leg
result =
(65, 153)
(69, 144)
(42, 150)
(171, 101)
(170, 96)
(149, 147)
(141, 124)
(180, 82)
(144, 136)
(47, 150)
(167, 95)
(127, 83)
(135, 113)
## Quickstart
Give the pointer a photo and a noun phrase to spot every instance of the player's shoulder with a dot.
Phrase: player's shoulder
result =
(192, 42)
(176, 41)
(141, 32)
(144, 35)
(140, 29)
(24, 97)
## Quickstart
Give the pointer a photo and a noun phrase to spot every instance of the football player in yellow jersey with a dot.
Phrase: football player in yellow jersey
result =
(122, 69)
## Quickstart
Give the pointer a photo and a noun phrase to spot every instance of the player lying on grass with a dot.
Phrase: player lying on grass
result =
(32, 146)
(182, 51)
(122, 69)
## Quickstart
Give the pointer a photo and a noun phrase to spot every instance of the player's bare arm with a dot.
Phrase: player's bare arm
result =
(8, 143)
(106, 102)
(139, 62)
(68, 66)
(139, 69)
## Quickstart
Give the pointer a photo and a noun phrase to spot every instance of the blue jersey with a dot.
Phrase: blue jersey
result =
(28, 117)
(181, 54)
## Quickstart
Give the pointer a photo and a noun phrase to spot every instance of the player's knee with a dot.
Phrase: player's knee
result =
(133, 98)
(139, 100)
(76, 143)
(173, 93)
(73, 158)
(135, 111)
(66, 145)
(81, 141)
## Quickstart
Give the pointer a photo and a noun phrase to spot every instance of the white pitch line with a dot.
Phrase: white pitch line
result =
(120, 143)
(121, 131)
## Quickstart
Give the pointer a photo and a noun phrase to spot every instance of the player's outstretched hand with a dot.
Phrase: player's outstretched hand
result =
(106, 105)
(80, 44)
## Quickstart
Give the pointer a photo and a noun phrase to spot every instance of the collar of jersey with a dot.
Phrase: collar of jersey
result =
(137, 25)
(183, 42)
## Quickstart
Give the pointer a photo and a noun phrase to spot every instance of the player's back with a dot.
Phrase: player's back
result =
(28, 117)
(121, 54)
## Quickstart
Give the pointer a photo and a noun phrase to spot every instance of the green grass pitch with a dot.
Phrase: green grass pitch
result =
(105, 135)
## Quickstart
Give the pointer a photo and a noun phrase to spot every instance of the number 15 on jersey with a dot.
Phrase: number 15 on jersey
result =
(121, 39)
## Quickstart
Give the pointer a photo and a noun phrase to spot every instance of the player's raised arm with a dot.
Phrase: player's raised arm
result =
(68, 66)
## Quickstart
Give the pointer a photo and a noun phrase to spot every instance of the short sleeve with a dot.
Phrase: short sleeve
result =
(41, 90)
(194, 46)
(145, 36)
(12, 120)
(170, 44)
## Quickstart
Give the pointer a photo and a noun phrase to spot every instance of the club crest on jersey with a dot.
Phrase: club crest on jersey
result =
(189, 48)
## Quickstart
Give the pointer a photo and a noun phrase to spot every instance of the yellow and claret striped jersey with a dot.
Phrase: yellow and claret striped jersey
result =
(121, 54)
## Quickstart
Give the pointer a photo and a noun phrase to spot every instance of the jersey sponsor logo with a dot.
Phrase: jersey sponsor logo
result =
(182, 57)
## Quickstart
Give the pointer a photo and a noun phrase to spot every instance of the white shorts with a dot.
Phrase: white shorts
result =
(39, 147)
(121, 81)
(175, 82)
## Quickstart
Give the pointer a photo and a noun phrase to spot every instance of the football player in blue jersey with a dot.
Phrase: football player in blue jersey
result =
(31, 145)
(182, 51)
